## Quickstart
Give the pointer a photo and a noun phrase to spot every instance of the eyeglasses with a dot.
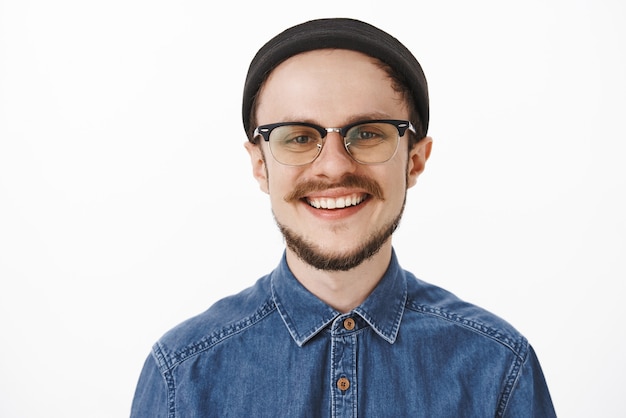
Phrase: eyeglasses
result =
(367, 142)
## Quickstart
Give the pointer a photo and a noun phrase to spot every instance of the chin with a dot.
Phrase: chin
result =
(342, 260)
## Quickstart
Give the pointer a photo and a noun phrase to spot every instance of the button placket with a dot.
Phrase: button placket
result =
(343, 367)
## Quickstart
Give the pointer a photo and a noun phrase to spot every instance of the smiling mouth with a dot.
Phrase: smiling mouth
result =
(336, 202)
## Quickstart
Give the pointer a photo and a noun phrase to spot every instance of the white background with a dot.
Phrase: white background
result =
(127, 204)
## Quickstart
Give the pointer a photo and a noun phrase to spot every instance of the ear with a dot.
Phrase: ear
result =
(259, 169)
(418, 156)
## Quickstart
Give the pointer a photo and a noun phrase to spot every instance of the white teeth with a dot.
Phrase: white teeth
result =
(336, 203)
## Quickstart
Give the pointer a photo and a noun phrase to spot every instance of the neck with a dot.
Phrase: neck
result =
(342, 290)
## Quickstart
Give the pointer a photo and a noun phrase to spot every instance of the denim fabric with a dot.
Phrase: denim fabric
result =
(275, 350)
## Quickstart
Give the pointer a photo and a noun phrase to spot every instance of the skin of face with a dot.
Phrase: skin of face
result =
(333, 88)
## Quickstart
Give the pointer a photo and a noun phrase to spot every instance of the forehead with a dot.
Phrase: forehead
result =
(328, 85)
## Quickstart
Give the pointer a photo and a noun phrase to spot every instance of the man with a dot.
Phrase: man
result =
(336, 112)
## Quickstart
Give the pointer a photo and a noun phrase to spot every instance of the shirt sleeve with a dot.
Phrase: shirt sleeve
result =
(150, 399)
(530, 397)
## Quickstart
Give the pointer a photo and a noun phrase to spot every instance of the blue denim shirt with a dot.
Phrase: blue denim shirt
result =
(275, 350)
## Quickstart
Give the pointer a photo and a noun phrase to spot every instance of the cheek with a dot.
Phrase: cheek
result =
(279, 183)
(395, 178)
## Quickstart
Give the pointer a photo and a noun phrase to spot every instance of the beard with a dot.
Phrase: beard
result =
(315, 256)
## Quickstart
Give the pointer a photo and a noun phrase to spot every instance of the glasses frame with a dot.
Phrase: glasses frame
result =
(401, 125)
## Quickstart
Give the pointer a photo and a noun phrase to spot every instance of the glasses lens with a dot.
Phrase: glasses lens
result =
(374, 142)
(295, 144)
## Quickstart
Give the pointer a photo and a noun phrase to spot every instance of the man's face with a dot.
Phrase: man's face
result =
(333, 88)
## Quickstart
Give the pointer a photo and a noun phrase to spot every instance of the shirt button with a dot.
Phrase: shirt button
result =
(349, 324)
(343, 383)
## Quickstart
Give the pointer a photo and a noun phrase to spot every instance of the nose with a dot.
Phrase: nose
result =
(333, 161)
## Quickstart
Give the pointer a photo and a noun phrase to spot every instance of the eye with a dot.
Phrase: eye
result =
(300, 139)
(296, 138)
(367, 135)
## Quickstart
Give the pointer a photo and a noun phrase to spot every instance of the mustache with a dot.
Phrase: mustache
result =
(367, 184)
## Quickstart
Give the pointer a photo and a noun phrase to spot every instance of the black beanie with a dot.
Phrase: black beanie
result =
(340, 33)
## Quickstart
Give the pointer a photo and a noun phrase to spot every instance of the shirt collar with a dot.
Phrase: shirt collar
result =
(305, 315)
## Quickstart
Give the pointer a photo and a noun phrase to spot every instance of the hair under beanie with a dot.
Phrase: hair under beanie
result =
(341, 33)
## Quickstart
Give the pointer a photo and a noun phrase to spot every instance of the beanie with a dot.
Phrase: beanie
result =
(340, 33)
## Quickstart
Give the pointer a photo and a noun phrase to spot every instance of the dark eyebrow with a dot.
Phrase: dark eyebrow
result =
(369, 116)
(362, 117)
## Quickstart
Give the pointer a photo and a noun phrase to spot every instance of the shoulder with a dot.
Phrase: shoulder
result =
(451, 312)
(227, 317)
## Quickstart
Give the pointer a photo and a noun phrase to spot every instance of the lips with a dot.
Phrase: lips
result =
(336, 202)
